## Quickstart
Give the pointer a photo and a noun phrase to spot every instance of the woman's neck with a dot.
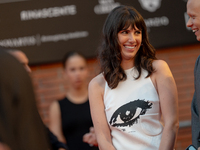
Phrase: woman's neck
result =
(127, 64)
(77, 95)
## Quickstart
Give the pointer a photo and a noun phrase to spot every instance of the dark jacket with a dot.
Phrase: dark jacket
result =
(195, 107)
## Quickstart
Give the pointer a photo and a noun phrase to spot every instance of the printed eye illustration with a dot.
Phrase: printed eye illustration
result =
(129, 113)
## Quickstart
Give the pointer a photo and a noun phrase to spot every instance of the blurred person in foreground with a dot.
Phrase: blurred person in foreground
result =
(134, 89)
(22, 58)
(193, 10)
(70, 118)
(21, 127)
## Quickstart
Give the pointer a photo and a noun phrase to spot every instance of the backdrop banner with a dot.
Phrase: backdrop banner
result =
(46, 30)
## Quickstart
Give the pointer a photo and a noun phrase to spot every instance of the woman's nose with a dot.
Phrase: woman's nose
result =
(131, 38)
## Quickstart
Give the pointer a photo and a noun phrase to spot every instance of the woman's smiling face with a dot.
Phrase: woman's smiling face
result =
(130, 41)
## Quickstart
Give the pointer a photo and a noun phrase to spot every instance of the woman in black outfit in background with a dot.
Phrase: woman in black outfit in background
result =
(70, 118)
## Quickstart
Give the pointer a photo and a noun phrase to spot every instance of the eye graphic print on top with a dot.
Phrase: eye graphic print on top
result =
(128, 114)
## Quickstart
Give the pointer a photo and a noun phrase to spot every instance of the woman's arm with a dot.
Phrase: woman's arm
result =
(167, 91)
(102, 131)
(55, 121)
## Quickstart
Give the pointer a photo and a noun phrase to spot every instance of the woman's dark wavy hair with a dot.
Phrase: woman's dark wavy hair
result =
(109, 55)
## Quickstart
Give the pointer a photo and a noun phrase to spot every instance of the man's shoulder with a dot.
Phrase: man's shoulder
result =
(197, 64)
(198, 58)
(197, 67)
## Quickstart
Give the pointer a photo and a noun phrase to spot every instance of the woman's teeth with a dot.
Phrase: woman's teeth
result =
(131, 47)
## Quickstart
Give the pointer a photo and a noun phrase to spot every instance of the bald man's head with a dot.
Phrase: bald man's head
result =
(193, 10)
(21, 57)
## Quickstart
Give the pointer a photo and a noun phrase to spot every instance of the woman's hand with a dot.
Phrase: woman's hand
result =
(90, 137)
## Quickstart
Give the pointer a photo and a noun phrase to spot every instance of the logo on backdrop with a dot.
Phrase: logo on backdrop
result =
(38, 39)
(48, 12)
(157, 21)
(150, 5)
(105, 6)
(10, 1)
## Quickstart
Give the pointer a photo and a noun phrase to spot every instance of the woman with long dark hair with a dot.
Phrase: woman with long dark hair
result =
(134, 89)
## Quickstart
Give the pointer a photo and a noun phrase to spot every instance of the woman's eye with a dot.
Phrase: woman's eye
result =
(138, 32)
(72, 69)
(124, 32)
(82, 68)
(128, 114)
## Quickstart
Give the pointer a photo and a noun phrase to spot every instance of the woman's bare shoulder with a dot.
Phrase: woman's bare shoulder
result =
(97, 82)
(161, 69)
(159, 64)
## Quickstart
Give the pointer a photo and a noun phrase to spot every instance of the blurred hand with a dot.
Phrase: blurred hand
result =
(199, 148)
(90, 137)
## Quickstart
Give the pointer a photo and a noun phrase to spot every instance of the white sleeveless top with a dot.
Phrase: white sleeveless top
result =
(133, 113)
